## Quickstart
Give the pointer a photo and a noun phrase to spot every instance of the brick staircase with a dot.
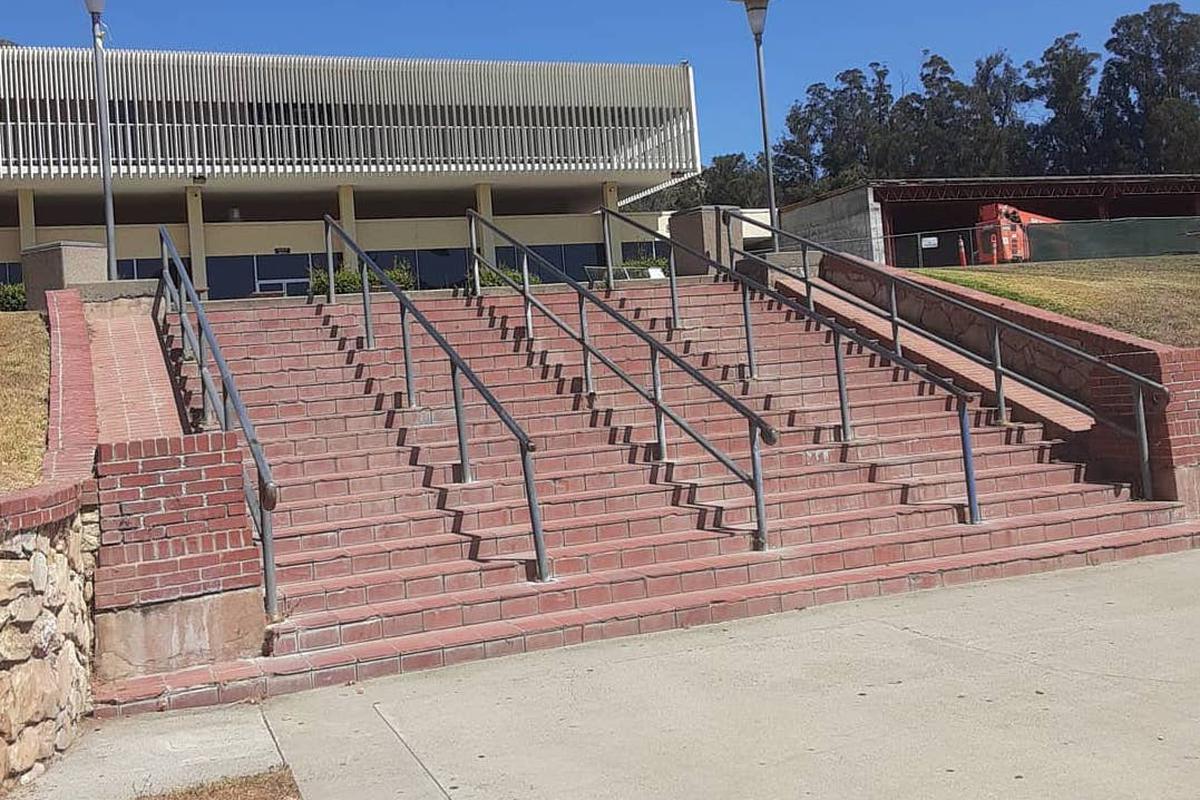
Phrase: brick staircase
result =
(386, 564)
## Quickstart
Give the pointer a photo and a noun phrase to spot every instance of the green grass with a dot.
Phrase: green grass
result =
(1156, 298)
(24, 391)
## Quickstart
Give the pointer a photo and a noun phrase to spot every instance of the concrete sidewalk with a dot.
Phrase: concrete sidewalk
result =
(1078, 684)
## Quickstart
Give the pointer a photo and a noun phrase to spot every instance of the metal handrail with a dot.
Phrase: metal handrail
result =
(759, 429)
(1139, 384)
(226, 400)
(749, 285)
(458, 367)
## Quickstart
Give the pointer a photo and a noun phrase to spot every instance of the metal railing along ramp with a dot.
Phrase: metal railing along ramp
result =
(1138, 385)
(224, 402)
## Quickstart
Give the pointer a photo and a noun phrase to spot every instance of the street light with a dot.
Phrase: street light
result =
(96, 8)
(756, 12)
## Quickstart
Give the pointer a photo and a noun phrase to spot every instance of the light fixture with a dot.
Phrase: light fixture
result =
(756, 12)
(94, 6)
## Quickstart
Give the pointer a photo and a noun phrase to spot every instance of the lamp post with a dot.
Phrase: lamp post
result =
(96, 8)
(756, 12)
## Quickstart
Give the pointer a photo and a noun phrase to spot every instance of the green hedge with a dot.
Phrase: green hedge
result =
(640, 267)
(12, 297)
(347, 281)
(488, 277)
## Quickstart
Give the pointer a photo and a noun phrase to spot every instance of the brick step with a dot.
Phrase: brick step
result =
(615, 578)
(237, 681)
(829, 517)
(707, 415)
(304, 385)
(396, 553)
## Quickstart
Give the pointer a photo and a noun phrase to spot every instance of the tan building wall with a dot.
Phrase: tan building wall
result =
(246, 238)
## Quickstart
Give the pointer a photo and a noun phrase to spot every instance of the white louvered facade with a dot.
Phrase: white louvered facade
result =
(180, 115)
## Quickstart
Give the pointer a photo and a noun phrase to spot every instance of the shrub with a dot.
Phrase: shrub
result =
(488, 277)
(347, 281)
(640, 267)
(12, 297)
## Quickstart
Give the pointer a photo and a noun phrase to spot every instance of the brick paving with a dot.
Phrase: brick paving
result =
(134, 397)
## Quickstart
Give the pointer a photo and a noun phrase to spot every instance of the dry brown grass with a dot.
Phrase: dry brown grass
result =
(24, 387)
(274, 785)
(1156, 298)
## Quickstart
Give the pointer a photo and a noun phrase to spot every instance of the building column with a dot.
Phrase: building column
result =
(196, 246)
(349, 223)
(609, 198)
(483, 205)
(26, 218)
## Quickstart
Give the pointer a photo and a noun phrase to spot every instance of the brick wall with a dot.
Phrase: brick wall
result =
(173, 520)
(1173, 423)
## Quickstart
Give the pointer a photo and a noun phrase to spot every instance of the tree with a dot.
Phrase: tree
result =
(1152, 75)
(8, 43)
(1067, 141)
(999, 133)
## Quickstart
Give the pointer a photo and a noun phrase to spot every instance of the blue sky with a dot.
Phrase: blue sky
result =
(807, 40)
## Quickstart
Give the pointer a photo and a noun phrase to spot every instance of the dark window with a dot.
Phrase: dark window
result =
(282, 267)
(230, 277)
(440, 269)
(142, 268)
(578, 256)
(10, 273)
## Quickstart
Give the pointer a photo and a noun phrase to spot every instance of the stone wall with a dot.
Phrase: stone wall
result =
(45, 640)
(48, 540)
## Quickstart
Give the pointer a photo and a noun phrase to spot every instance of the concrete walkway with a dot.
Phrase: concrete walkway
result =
(1078, 684)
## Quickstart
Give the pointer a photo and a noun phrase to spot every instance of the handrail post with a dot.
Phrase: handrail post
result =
(606, 222)
(331, 294)
(201, 369)
(228, 412)
(460, 423)
(410, 380)
(751, 361)
(528, 301)
(675, 321)
(998, 374)
(964, 429)
(660, 420)
(808, 287)
(172, 295)
(760, 501)
(535, 515)
(368, 323)
(1139, 413)
(895, 319)
(585, 340)
(266, 532)
(473, 232)
(843, 394)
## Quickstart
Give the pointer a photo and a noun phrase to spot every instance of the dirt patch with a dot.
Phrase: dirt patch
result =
(1156, 298)
(24, 388)
(274, 785)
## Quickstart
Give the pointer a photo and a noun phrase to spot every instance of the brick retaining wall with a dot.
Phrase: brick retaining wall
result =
(173, 521)
(1173, 425)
